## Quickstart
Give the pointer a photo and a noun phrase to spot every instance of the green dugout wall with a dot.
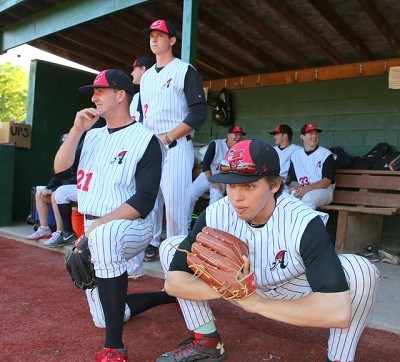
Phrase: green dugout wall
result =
(53, 100)
(355, 114)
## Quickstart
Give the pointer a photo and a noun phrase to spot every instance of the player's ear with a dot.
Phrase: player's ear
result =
(172, 40)
(277, 184)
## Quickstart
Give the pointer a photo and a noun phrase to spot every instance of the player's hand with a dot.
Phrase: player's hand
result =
(301, 191)
(44, 193)
(95, 223)
(85, 119)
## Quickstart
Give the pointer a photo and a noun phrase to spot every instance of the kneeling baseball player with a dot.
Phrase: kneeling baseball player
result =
(118, 179)
(295, 276)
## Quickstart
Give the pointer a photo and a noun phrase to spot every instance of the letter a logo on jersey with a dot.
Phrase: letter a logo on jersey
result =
(167, 83)
(279, 261)
(119, 157)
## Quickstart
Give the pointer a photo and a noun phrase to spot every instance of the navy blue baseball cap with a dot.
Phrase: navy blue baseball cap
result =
(111, 78)
(143, 61)
(246, 162)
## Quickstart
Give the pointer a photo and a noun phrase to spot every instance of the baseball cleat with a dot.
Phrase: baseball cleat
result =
(111, 355)
(151, 253)
(192, 349)
(388, 258)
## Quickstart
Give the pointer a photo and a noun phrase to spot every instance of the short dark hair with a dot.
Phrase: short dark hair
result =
(272, 181)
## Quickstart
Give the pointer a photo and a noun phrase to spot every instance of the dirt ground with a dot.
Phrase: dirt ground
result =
(45, 318)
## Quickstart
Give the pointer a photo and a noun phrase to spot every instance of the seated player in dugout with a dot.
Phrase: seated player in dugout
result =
(299, 278)
(311, 175)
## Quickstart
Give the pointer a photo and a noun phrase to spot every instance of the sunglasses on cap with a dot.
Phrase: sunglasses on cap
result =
(241, 168)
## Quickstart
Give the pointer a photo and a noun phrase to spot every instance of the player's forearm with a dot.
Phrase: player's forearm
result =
(183, 285)
(323, 310)
(322, 184)
(180, 131)
(124, 212)
(65, 156)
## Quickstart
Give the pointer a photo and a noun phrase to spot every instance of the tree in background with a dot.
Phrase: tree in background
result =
(13, 92)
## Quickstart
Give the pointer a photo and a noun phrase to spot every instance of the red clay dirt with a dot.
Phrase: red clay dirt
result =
(45, 318)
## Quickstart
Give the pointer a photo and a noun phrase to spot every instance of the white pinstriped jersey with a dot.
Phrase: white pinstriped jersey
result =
(275, 247)
(107, 167)
(162, 97)
(308, 168)
(221, 148)
(284, 157)
(133, 107)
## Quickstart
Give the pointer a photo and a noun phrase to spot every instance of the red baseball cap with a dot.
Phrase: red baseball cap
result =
(164, 26)
(236, 129)
(308, 127)
(247, 161)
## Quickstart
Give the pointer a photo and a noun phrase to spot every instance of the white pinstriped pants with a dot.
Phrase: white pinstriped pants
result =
(111, 246)
(65, 194)
(319, 197)
(361, 275)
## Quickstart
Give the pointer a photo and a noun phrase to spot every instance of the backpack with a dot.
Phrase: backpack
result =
(222, 108)
(394, 164)
(374, 159)
(391, 161)
(342, 158)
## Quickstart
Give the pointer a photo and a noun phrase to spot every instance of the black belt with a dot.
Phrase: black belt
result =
(174, 143)
(91, 217)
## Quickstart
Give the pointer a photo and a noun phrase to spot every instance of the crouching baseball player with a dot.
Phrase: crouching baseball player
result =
(295, 272)
(118, 179)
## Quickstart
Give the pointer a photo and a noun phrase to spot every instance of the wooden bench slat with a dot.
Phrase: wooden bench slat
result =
(364, 210)
(368, 182)
(377, 199)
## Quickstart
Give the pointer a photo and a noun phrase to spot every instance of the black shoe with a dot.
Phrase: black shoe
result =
(191, 349)
(65, 238)
(151, 253)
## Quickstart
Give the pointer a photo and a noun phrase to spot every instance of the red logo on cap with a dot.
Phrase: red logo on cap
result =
(101, 79)
(234, 157)
(310, 127)
(159, 25)
(237, 129)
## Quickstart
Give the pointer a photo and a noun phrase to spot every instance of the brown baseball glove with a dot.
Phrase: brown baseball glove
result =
(216, 258)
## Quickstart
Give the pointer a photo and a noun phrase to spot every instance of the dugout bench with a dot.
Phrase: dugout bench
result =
(362, 198)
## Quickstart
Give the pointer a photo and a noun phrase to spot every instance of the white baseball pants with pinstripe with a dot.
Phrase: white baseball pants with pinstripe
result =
(111, 246)
(361, 275)
(319, 197)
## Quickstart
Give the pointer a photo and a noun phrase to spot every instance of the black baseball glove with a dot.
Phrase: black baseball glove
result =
(79, 265)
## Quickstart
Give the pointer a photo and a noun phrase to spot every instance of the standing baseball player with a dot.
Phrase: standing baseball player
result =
(311, 175)
(119, 173)
(284, 147)
(299, 278)
(216, 151)
(139, 67)
(173, 106)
